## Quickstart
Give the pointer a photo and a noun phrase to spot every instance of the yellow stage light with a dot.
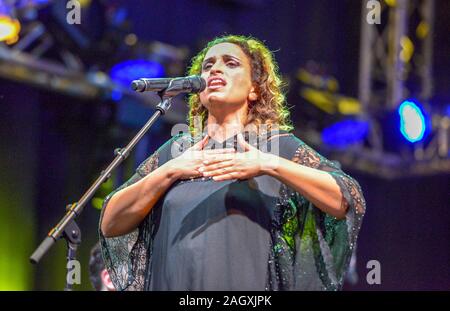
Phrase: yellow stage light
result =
(9, 29)
(422, 30)
(320, 99)
(349, 105)
(391, 3)
(84, 3)
(407, 49)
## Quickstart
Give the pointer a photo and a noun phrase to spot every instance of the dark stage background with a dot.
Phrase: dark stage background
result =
(53, 145)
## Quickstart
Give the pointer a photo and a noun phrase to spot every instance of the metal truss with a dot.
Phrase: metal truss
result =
(65, 72)
(393, 53)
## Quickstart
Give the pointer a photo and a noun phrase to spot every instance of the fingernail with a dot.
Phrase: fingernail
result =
(201, 169)
(205, 162)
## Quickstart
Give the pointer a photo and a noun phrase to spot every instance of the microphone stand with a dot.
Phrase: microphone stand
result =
(67, 227)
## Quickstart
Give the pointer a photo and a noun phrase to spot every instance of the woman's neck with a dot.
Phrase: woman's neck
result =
(223, 126)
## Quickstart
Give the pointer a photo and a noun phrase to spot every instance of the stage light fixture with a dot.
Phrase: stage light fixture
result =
(413, 121)
(345, 133)
(127, 71)
(9, 29)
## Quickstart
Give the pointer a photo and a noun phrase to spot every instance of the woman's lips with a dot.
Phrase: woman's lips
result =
(215, 83)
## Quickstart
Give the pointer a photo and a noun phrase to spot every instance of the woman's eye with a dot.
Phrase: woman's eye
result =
(207, 66)
(232, 64)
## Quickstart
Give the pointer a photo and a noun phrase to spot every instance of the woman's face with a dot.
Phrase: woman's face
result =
(227, 71)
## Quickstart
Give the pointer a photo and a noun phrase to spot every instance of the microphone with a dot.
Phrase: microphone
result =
(191, 84)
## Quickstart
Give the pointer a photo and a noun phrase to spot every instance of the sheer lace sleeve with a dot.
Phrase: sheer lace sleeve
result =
(312, 249)
(125, 257)
(351, 191)
(335, 238)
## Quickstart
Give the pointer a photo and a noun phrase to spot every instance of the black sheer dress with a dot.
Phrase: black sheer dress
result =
(255, 234)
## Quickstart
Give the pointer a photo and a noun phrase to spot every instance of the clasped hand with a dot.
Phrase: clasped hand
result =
(223, 164)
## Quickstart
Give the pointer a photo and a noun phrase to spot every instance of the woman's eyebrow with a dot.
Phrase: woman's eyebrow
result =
(212, 58)
(231, 56)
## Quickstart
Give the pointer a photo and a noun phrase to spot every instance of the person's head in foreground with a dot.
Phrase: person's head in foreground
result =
(98, 274)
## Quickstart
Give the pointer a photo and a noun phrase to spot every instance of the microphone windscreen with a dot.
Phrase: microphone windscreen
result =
(138, 86)
(198, 85)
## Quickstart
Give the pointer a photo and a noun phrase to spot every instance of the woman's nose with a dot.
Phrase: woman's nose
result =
(216, 68)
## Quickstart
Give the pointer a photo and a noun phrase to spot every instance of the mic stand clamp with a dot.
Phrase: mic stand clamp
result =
(72, 235)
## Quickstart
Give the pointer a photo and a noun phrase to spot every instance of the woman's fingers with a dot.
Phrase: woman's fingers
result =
(210, 170)
(193, 175)
(228, 176)
(216, 151)
(217, 155)
(209, 159)
(201, 144)
(241, 141)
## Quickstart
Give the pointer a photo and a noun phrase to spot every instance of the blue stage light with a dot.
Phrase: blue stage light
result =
(413, 122)
(127, 71)
(28, 3)
(116, 95)
(345, 133)
(447, 110)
